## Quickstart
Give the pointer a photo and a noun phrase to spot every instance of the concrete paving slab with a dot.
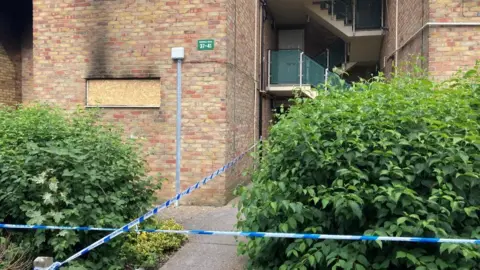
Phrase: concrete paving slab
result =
(205, 252)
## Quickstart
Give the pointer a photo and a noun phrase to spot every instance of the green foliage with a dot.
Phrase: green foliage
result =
(147, 250)
(59, 169)
(397, 158)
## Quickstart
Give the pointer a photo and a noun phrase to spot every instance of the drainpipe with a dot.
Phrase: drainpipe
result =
(396, 36)
(432, 24)
(262, 69)
(255, 82)
(332, 9)
(354, 23)
(382, 16)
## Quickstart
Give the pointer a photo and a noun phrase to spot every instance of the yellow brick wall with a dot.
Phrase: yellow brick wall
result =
(8, 79)
(453, 47)
(446, 49)
(241, 91)
(412, 15)
(75, 40)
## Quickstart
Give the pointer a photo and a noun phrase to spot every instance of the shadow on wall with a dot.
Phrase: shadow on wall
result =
(16, 37)
(108, 50)
(15, 24)
(97, 42)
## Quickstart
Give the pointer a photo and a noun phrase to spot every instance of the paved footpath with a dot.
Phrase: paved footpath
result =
(205, 252)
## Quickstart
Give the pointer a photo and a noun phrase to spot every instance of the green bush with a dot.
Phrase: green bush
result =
(148, 250)
(397, 158)
(59, 169)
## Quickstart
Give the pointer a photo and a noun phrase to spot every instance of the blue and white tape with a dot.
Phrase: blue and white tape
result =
(47, 227)
(326, 236)
(264, 234)
(150, 213)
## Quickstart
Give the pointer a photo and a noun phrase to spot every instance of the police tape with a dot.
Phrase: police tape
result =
(48, 227)
(150, 213)
(264, 234)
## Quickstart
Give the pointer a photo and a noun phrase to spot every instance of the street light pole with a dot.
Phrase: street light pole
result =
(178, 54)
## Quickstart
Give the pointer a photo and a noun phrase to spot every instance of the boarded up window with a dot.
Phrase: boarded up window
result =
(123, 93)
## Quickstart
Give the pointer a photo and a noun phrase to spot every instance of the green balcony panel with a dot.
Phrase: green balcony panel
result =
(368, 14)
(322, 59)
(313, 72)
(285, 67)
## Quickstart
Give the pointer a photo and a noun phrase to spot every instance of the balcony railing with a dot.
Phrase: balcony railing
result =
(360, 14)
(368, 14)
(334, 56)
(294, 68)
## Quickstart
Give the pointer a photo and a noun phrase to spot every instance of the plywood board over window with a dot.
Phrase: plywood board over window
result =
(123, 92)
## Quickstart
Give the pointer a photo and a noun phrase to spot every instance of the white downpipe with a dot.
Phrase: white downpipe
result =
(429, 24)
(301, 69)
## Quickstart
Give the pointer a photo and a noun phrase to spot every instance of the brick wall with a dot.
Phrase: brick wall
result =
(270, 43)
(79, 39)
(446, 49)
(412, 15)
(8, 79)
(25, 77)
(456, 47)
(10, 59)
(241, 105)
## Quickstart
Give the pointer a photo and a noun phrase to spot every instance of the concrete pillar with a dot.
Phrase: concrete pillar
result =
(42, 263)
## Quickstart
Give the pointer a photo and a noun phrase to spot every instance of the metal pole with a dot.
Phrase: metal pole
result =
(268, 67)
(333, 4)
(179, 128)
(326, 79)
(354, 23)
(328, 58)
(301, 69)
(382, 16)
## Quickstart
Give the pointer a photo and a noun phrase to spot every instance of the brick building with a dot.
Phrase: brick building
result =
(446, 33)
(116, 55)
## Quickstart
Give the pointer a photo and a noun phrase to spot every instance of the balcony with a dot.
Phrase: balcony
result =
(358, 22)
(291, 70)
(350, 17)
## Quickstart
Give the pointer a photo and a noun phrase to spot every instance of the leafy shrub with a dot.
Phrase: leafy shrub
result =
(147, 250)
(397, 158)
(71, 170)
(14, 257)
